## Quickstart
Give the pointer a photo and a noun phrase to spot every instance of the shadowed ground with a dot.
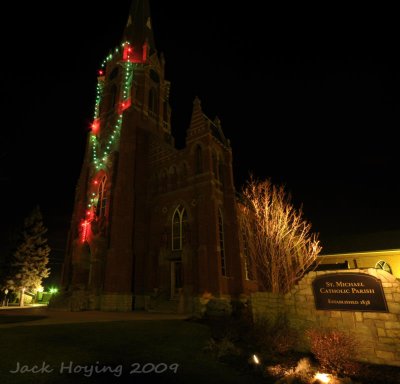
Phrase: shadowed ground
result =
(109, 347)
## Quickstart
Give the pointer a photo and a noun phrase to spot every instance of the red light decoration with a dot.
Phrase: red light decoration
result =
(144, 56)
(100, 72)
(89, 215)
(124, 105)
(95, 126)
(84, 226)
(128, 52)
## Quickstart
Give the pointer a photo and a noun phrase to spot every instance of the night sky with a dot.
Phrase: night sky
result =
(309, 98)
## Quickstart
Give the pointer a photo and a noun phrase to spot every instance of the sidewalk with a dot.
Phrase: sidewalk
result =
(46, 316)
(12, 307)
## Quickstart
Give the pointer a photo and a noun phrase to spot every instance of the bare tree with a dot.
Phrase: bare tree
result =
(281, 246)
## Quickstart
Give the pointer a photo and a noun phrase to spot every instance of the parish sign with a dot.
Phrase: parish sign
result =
(349, 292)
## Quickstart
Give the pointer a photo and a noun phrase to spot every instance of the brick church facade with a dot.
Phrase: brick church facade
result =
(151, 222)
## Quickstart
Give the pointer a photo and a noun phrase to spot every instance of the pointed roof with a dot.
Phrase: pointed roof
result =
(197, 122)
(200, 123)
(138, 28)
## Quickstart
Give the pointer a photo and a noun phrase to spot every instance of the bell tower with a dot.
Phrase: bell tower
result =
(108, 232)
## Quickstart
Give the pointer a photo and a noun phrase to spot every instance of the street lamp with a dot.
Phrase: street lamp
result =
(5, 297)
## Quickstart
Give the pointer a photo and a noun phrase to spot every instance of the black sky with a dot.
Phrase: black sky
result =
(308, 97)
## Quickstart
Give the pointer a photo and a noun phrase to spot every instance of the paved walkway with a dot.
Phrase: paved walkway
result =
(64, 317)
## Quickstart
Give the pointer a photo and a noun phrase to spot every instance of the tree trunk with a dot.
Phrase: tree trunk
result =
(21, 299)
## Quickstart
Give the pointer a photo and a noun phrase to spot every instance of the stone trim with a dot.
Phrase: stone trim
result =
(378, 334)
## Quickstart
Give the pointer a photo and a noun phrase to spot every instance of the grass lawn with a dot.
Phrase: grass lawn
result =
(124, 348)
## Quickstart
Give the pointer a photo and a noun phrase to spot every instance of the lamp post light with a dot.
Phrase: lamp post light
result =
(5, 301)
(53, 290)
(39, 294)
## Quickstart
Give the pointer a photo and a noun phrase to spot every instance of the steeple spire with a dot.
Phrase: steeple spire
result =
(138, 30)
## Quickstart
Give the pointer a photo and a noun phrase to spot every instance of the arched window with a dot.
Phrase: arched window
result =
(221, 175)
(383, 265)
(110, 100)
(101, 198)
(153, 102)
(179, 219)
(113, 96)
(199, 159)
(165, 112)
(164, 181)
(215, 164)
(184, 172)
(113, 74)
(221, 242)
(174, 178)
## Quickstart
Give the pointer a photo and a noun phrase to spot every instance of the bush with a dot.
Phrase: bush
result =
(334, 350)
(238, 330)
(275, 338)
(302, 373)
(223, 348)
(284, 340)
(218, 308)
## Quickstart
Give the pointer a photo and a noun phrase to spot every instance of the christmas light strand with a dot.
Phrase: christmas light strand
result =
(99, 156)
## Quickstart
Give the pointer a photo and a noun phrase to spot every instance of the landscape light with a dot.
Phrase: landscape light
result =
(256, 360)
(322, 377)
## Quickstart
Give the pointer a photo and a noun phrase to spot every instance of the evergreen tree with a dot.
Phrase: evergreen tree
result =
(29, 263)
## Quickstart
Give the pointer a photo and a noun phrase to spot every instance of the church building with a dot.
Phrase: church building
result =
(151, 223)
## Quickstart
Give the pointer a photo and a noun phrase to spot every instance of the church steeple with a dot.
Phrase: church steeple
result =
(138, 30)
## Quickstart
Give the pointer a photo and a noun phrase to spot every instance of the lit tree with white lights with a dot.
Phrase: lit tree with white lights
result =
(29, 263)
(280, 244)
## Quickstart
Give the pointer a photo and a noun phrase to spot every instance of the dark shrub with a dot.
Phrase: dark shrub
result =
(334, 350)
